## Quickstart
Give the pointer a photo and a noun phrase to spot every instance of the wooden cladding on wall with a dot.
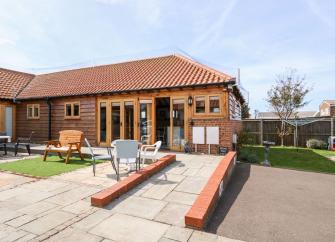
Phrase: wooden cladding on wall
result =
(86, 122)
(88, 119)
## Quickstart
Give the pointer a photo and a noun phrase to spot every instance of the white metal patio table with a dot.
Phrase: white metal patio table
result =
(7, 137)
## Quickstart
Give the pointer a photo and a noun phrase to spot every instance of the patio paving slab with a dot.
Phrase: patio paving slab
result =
(74, 235)
(58, 208)
(178, 234)
(73, 195)
(79, 207)
(17, 222)
(168, 177)
(26, 238)
(37, 208)
(191, 172)
(199, 236)
(46, 185)
(160, 189)
(48, 222)
(8, 180)
(181, 197)
(6, 215)
(137, 206)
(6, 194)
(92, 220)
(163, 239)
(14, 236)
(173, 214)
(130, 229)
(192, 185)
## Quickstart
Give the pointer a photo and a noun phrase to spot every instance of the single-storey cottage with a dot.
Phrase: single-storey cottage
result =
(160, 98)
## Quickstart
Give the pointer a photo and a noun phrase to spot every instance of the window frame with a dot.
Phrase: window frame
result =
(72, 116)
(207, 105)
(195, 104)
(33, 106)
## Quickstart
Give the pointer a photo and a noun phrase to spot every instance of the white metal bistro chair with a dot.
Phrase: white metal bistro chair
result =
(95, 157)
(150, 151)
(125, 152)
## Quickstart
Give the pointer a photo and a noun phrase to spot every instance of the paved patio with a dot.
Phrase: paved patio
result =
(58, 208)
(272, 204)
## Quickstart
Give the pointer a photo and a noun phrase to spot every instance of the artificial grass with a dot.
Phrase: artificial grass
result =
(296, 158)
(52, 166)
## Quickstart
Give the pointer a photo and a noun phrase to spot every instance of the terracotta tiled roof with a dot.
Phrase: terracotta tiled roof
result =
(12, 82)
(154, 73)
(331, 102)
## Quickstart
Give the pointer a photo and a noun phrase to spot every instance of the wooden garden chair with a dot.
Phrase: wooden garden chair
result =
(70, 141)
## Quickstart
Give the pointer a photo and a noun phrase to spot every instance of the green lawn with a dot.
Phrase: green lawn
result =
(37, 167)
(301, 158)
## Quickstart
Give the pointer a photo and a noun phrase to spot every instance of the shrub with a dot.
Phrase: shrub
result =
(252, 158)
(316, 144)
(245, 156)
(245, 138)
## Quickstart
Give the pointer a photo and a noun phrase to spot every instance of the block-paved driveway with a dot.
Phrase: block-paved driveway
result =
(272, 204)
(58, 208)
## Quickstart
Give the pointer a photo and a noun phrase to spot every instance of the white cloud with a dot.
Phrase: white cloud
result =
(4, 41)
(215, 31)
(320, 13)
(148, 11)
(111, 2)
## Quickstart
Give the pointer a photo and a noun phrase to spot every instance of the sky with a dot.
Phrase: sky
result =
(261, 37)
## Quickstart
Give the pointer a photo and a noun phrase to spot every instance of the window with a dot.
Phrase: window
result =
(214, 104)
(207, 105)
(72, 110)
(200, 104)
(103, 121)
(145, 121)
(33, 111)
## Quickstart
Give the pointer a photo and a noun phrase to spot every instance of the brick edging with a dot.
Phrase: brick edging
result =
(204, 205)
(107, 195)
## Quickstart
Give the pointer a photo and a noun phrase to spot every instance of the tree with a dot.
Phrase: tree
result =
(286, 97)
(245, 111)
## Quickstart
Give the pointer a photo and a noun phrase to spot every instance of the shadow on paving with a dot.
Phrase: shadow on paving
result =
(240, 176)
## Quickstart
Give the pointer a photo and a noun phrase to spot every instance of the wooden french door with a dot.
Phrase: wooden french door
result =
(178, 125)
(116, 120)
(129, 119)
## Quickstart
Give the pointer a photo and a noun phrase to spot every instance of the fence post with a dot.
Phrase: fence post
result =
(296, 135)
(261, 128)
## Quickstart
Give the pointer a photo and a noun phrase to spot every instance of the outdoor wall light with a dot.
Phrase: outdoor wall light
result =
(190, 100)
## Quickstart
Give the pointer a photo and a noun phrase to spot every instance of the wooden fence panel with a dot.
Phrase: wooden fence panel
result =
(320, 129)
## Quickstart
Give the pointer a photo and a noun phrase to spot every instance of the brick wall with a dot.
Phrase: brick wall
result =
(226, 130)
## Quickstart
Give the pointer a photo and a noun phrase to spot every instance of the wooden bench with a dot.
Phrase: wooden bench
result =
(69, 141)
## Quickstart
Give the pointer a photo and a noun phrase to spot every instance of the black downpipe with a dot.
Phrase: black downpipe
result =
(49, 118)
